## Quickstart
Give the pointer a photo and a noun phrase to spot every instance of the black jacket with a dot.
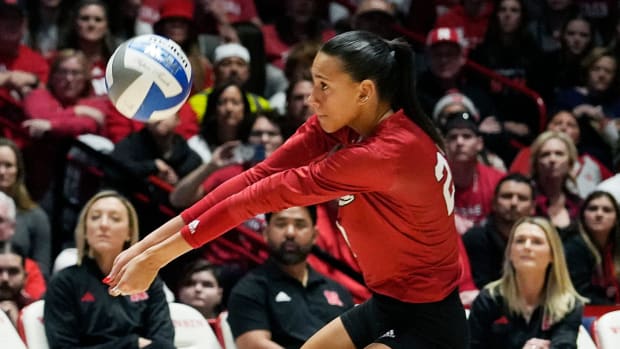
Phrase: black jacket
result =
(485, 248)
(79, 313)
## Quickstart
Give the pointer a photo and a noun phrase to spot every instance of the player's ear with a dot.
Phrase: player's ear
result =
(367, 90)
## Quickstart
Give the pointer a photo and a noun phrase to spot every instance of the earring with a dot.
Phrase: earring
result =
(365, 99)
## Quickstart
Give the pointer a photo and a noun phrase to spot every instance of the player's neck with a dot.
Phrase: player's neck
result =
(366, 123)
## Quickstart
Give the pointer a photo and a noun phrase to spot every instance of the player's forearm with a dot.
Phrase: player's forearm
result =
(167, 250)
(160, 234)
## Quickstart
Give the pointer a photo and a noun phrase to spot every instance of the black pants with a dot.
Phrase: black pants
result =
(398, 324)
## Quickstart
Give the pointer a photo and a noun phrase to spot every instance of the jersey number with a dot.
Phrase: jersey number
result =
(442, 169)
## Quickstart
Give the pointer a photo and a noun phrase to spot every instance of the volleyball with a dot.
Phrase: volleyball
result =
(148, 77)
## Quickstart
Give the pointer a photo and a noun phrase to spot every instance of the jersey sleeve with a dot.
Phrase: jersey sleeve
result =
(354, 169)
(308, 143)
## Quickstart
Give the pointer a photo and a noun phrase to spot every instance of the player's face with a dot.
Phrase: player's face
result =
(92, 23)
(333, 94)
(8, 168)
(553, 159)
(566, 123)
(600, 217)
(266, 133)
(577, 36)
(601, 74)
(230, 107)
(201, 291)
(513, 201)
(530, 250)
(297, 105)
(463, 145)
(509, 15)
(69, 80)
(107, 226)
(290, 235)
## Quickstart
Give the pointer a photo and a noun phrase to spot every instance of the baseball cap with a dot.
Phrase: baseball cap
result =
(231, 50)
(454, 97)
(444, 34)
(177, 9)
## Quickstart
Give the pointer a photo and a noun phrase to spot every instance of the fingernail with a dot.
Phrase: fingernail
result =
(106, 280)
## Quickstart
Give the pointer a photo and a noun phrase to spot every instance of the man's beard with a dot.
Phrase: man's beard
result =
(289, 256)
(8, 293)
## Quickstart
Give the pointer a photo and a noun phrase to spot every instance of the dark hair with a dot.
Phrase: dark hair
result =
(68, 36)
(580, 17)
(251, 37)
(390, 64)
(311, 211)
(7, 247)
(209, 129)
(515, 177)
(198, 266)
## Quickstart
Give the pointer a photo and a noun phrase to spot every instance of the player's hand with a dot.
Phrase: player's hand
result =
(120, 262)
(134, 277)
(37, 127)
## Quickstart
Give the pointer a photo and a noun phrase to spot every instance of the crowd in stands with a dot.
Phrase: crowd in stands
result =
(526, 94)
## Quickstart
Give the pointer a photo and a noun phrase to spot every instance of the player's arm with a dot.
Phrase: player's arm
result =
(256, 339)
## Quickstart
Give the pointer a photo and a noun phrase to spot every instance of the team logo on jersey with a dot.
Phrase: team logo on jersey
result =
(333, 298)
(193, 225)
(345, 200)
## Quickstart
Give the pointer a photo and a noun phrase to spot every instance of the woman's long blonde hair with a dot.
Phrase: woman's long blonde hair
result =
(18, 190)
(80, 228)
(559, 295)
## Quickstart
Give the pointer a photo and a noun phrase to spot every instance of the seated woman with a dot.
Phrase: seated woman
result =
(200, 287)
(552, 159)
(592, 249)
(79, 312)
(534, 303)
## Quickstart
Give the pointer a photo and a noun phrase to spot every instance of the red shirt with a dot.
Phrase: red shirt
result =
(26, 60)
(474, 203)
(473, 29)
(393, 209)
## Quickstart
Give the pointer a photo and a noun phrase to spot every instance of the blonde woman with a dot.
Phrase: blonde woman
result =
(534, 304)
(553, 156)
(79, 312)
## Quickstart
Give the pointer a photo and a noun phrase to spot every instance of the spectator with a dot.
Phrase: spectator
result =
(44, 19)
(156, 150)
(553, 157)
(546, 28)
(200, 288)
(513, 199)
(34, 287)
(231, 65)
(32, 226)
(21, 68)
(446, 56)
(510, 51)
(598, 99)
(176, 22)
(217, 17)
(13, 296)
(221, 120)
(79, 312)
(473, 181)
(534, 304)
(284, 301)
(592, 249)
(612, 186)
(470, 19)
(561, 68)
(588, 171)
(87, 30)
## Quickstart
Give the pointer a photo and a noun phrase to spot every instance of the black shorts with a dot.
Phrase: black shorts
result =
(398, 324)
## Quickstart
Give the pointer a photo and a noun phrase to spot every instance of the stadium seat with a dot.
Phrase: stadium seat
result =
(584, 341)
(607, 329)
(31, 325)
(9, 336)
(191, 329)
(229, 340)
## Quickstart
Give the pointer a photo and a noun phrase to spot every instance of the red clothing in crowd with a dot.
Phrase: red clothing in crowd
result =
(41, 104)
(276, 50)
(34, 286)
(474, 203)
(401, 230)
(26, 60)
(473, 29)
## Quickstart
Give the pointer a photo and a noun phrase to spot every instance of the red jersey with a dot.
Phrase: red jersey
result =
(396, 202)
(474, 202)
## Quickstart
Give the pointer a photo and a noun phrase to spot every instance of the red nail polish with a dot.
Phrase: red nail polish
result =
(106, 280)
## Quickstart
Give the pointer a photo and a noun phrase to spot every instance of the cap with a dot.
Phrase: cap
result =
(11, 9)
(460, 120)
(454, 97)
(231, 50)
(444, 34)
(177, 8)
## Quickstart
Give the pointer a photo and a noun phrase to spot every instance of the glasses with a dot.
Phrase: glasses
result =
(260, 133)
(12, 271)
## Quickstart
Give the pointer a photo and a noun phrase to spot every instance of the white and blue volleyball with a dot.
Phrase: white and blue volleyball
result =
(148, 77)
